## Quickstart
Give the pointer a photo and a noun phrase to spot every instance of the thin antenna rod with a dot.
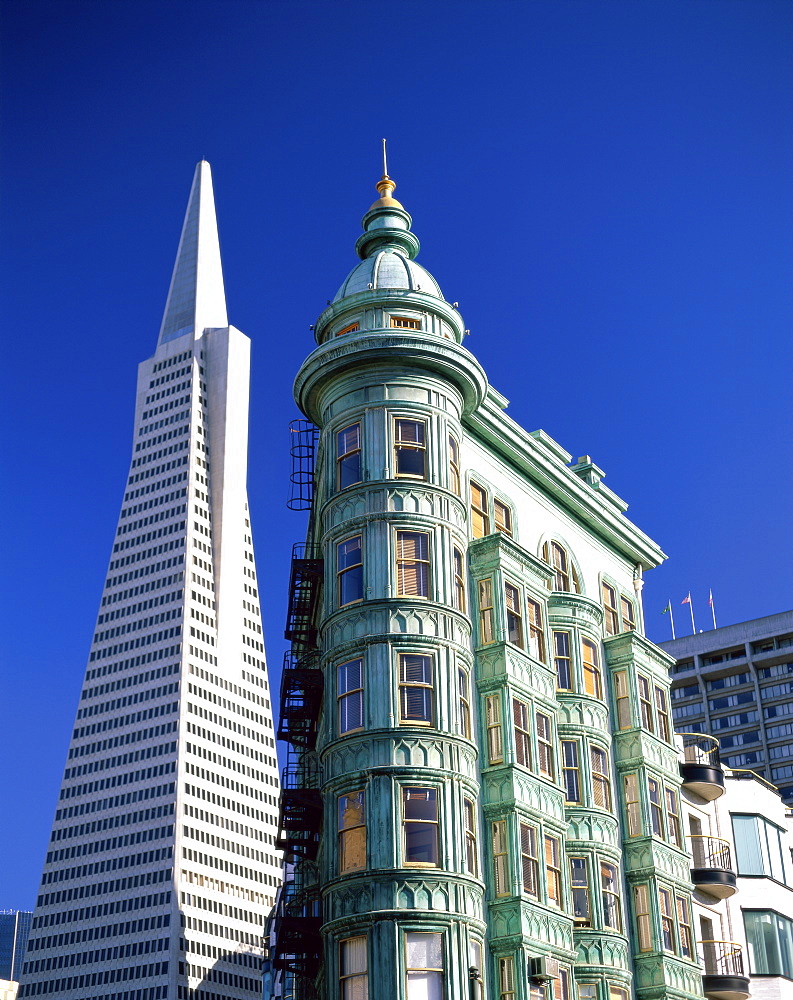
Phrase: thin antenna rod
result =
(385, 162)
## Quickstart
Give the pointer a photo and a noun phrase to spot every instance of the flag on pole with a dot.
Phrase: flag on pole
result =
(687, 600)
(710, 598)
(712, 608)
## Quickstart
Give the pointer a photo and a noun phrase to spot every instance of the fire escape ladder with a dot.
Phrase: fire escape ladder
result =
(300, 816)
(303, 446)
(302, 687)
(305, 585)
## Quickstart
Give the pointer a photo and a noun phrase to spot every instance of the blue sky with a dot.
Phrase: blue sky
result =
(603, 186)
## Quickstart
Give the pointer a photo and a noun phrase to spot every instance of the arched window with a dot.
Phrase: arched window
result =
(564, 573)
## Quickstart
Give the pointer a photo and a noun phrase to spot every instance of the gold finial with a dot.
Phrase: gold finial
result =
(386, 187)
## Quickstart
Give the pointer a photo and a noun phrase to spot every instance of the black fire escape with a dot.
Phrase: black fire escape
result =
(298, 946)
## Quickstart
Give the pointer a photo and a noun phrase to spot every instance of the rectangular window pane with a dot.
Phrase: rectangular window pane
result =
(561, 643)
(350, 695)
(424, 964)
(529, 859)
(591, 657)
(420, 822)
(553, 872)
(409, 448)
(480, 519)
(348, 460)
(536, 632)
(416, 694)
(352, 831)
(579, 883)
(495, 749)
(570, 768)
(611, 900)
(514, 617)
(353, 969)
(520, 716)
(503, 516)
(413, 564)
(350, 570)
(486, 611)
(500, 857)
(601, 783)
(544, 744)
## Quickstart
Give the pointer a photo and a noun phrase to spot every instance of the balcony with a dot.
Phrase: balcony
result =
(302, 687)
(700, 767)
(712, 870)
(300, 815)
(724, 978)
(305, 585)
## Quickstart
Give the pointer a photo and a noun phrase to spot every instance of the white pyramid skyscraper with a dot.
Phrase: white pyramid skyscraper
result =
(161, 866)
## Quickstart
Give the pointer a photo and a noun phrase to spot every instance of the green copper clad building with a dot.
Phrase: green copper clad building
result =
(482, 795)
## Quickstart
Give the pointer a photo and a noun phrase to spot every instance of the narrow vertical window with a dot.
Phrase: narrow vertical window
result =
(424, 966)
(454, 465)
(645, 705)
(503, 517)
(352, 832)
(495, 743)
(673, 816)
(410, 448)
(641, 906)
(459, 580)
(520, 716)
(463, 686)
(612, 617)
(561, 571)
(514, 616)
(628, 618)
(633, 806)
(570, 771)
(485, 611)
(415, 689)
(348, 456)
(480, 519)
(667, 919)
(420, 823)
(662, 712)
(544, 745)
(506, 978)
(349, 568)
(579, 881)
(656, 815)
(529, 860)
(536, 632)
(354, 976)
(592, 680)
(609, 886)
(601, 783)
(684, 924)
(500, 857)
(561, 659)
(561, 985)
(349, 693)
(469, 813)
(553, 871)
(413, 564)
(623, 699)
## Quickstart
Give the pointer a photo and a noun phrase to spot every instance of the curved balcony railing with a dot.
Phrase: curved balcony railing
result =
(724, 977)
(712, 870)
(711, 852)
(699, 748)
(700, 767)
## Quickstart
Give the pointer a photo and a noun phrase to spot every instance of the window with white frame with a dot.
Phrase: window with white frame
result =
(348, 456)
(416, 691)
(349, 695)
(423, 966)
(410, 449)
(420, 826)
(413, 563)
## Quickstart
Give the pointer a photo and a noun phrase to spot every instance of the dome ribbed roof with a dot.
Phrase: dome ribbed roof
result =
(388, 268)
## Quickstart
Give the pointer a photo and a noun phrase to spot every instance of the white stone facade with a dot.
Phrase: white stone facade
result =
(162, 864)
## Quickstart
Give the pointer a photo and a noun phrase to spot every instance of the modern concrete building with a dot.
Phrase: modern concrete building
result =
(483, 791)
(736, 683)
(740, 845)
(162, 863)
(14, 931)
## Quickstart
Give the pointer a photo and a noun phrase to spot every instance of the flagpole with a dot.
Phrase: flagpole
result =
(691, 609)
(712, 609)
(671, 618)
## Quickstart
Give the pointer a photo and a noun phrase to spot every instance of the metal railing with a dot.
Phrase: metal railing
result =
(710, 852)
(699, 748)
(722, 958)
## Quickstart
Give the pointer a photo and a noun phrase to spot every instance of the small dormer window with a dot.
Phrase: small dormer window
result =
(403, 323)
(352, 328)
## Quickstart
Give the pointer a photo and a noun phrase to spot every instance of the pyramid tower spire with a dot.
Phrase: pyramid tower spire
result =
(196, 298)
